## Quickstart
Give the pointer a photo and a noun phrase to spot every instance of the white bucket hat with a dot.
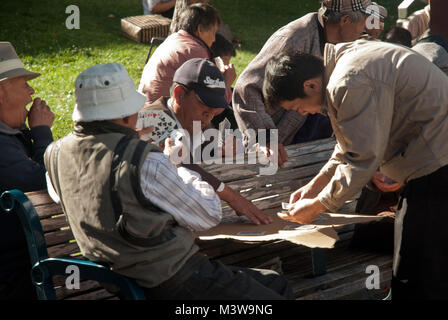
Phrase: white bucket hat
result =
(105, 92)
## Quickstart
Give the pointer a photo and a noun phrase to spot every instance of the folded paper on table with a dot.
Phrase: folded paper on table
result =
(320, 234)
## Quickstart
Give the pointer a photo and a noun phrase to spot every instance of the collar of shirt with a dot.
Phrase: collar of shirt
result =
(4, 128)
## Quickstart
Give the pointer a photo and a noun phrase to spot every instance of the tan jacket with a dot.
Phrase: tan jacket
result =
(388, 107)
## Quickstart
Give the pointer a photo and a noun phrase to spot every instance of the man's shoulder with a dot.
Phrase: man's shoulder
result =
(299, 26)
(159, 104)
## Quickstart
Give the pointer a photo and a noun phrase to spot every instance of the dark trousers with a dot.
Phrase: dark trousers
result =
(204, 279)
(375, 236)
(316, 126)
(421, 239)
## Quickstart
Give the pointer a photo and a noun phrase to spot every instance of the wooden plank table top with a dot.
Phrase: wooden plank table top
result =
(345, 277)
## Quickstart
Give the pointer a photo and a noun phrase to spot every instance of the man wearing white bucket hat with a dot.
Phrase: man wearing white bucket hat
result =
(21, 164)
(105, 178)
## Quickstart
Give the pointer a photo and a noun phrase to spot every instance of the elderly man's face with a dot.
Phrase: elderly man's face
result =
(195, 110)
(15, 94)
(350, 31)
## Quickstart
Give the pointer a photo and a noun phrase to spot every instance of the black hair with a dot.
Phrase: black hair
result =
(286, 73)
(222, 47)
(198, 14)
(399, 35)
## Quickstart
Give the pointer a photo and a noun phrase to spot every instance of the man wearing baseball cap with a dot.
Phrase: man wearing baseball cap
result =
(21, 164)
(198, 94)
(128, 206)
(337, 21)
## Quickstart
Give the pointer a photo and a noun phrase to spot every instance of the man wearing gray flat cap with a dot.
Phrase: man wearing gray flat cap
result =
(336, 21)
(21, 164)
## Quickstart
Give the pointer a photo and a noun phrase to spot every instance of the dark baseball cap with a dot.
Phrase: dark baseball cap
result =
(204, 78)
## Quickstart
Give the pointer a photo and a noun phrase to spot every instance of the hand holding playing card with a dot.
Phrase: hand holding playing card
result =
(176, 151)
(163, 125)
(145, 133)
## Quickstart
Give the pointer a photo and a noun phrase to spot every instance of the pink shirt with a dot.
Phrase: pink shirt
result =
(158, 73)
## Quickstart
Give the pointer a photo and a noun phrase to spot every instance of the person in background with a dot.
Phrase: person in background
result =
(379, 12)
(418, 22)
(21, 165)
(199, 23)
(399, 35)
(434, 53)
(225, 50)
(162, 7)
(336, 21)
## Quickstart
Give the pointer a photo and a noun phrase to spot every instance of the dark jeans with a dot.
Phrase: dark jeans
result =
(316, 126)
(204, 279)
(375, 236)
(421, 239)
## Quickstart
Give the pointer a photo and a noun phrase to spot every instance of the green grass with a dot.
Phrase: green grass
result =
(37, 31)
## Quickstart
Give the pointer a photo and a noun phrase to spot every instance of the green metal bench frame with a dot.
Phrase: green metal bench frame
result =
(44, 268)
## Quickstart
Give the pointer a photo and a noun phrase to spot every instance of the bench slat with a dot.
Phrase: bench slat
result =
(58, 237)
(48, 210)
(52, 224)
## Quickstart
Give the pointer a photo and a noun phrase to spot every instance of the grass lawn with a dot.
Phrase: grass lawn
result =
(38, 32)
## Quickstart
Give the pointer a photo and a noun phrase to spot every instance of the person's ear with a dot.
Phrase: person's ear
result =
(126, 119)
(312, 87)
(345, 20)
(178, 94)
(199, 31)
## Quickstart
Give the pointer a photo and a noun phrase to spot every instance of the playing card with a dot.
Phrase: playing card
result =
(286, 206)
(163, 124)
(223, 126)
(220, 64)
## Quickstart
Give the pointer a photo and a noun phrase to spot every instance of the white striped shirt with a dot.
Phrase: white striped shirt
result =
(181, 192)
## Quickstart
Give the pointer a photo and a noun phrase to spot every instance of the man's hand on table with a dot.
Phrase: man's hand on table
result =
(242, 206)
(303, 211)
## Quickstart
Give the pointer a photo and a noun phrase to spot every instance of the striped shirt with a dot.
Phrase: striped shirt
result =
(180, 192)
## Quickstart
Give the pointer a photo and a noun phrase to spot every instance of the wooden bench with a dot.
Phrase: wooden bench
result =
(345, 269)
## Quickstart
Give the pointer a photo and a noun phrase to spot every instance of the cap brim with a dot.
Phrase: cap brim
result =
(110, 111)
(21, 72)
(212, 99)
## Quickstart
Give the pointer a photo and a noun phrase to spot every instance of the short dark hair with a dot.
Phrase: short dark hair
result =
(222, 47)
(198, 14)
(285, 74)
(400, 36)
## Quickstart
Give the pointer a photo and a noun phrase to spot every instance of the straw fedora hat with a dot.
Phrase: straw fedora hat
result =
(10, 64)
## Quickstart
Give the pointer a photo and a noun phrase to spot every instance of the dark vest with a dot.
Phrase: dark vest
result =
(96, 172)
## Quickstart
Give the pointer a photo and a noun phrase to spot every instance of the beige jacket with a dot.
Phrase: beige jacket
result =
(389, 109)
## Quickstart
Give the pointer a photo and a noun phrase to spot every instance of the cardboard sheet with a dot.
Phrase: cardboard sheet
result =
(320, 233)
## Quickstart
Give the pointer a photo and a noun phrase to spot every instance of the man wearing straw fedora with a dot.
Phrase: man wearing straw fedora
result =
(116, 191)
(21, 163)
